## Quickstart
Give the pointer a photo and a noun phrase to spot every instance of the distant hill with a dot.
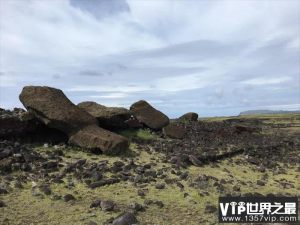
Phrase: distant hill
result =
(264, 112)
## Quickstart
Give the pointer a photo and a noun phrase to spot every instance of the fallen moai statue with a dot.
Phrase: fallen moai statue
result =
(146, 114)
(108, 117)
(54, 109)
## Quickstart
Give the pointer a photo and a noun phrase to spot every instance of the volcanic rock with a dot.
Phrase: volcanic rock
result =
(210, 209)
(174, 131)
(68, 197)
(191, 116)
(134, 123)
(15, 127)
(53, 108)
(108, 117)
(126, 218)
(26, 116)
(107, 205)
(148, 115)
(6, 165)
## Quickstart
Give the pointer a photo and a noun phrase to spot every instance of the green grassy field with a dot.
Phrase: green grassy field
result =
(179, 208)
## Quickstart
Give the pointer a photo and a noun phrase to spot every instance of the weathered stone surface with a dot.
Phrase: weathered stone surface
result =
(53, 108)
(26, 116)
(148, 115)
(126, 218)
(191, 116)
(174, 131)
(108, 117)
(133, 123)
(94, 137)
(5, 165)
(14, 127)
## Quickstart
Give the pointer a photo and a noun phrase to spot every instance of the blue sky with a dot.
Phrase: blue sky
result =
(216, 58)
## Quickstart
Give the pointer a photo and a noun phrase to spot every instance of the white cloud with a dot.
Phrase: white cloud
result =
(266, 80)
(154, 51)
(112, 95)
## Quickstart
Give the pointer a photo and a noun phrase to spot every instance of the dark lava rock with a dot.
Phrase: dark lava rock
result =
(173, 131)
(13, 126)
(141, 193)
(195, 161)
(18, 185)
(1, 204)
(6, 165)
(184, 176)
(210, 209)
(92, 223)
(160, 204)
(126, 218)
(107, 205)
(148, 115)
(236, 188)
(135, 206)
(97, 175)
(160, 186)
(95, 204)
(191, 116)
(118, 164)
(3, 191)
(45, 189)
(148, 202)
(260, 183)
(262, 169)
(49, 165)
(68, 197)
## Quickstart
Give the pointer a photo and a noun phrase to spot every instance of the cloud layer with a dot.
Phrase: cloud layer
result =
(219, 59)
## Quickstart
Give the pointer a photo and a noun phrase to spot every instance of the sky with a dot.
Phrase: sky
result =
(216, 58)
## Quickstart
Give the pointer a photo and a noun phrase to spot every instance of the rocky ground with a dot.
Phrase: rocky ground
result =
(158, 180)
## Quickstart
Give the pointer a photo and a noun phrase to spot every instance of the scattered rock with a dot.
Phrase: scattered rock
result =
(260, 183)
(210, 209)
(160, 204)
(95, 204)
(148, 202)
(174, 131)
(135, 206)
(160, 186)
(107, 205)
(68, 197)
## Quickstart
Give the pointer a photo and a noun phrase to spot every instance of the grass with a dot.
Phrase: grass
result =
(141, 133)
(285, 116)
(24, 208)
(177, 209)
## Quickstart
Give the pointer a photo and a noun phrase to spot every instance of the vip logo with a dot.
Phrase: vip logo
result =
(258, 209)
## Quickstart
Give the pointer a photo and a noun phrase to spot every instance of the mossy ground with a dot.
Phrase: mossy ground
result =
(24, 208)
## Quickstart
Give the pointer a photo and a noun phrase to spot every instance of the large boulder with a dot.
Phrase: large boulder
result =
(94, 137)
(191, 116)
(148, 115)
(108, 117)
(173, 131)
(53, 108)
(126, 218)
